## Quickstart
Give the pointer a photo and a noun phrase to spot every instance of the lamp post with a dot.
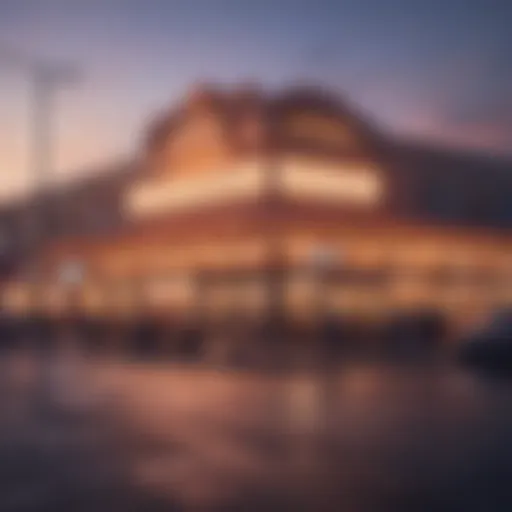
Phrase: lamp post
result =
(46, 79)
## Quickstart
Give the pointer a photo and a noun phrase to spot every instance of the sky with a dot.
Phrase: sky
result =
(439, 70)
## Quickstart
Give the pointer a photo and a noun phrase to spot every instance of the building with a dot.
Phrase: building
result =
(244, 203)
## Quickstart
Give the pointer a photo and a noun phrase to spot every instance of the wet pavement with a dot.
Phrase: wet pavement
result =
(104, 435)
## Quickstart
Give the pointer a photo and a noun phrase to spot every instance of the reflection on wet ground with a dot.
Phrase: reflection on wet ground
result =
(101, 435)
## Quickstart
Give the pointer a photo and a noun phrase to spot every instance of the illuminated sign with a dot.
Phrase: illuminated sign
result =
(349, 185)
(167, 195)
(356, 186)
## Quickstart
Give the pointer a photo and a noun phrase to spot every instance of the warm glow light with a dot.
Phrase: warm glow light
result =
(176, 291)
(353, 185)
(16, 297)
(169, 195)
(55, 298)
(166, 259)
(340, 184)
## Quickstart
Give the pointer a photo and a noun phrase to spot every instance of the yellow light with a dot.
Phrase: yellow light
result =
(245, 182)
(354, 185)
(348, 185)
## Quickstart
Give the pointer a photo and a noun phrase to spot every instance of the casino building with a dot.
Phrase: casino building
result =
(243, 203)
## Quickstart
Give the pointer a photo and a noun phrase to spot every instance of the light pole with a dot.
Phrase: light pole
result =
(46, 78)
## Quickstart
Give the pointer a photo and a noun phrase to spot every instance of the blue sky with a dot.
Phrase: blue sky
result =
(439, 70)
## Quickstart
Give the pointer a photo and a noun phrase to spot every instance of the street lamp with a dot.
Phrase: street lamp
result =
(46, 79)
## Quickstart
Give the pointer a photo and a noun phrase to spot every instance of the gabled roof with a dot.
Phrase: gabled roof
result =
(232, 106)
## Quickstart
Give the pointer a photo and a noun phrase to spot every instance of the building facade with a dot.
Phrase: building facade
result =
(244, 204)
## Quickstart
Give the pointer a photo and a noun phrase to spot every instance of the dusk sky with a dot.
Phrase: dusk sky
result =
(438, 69)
